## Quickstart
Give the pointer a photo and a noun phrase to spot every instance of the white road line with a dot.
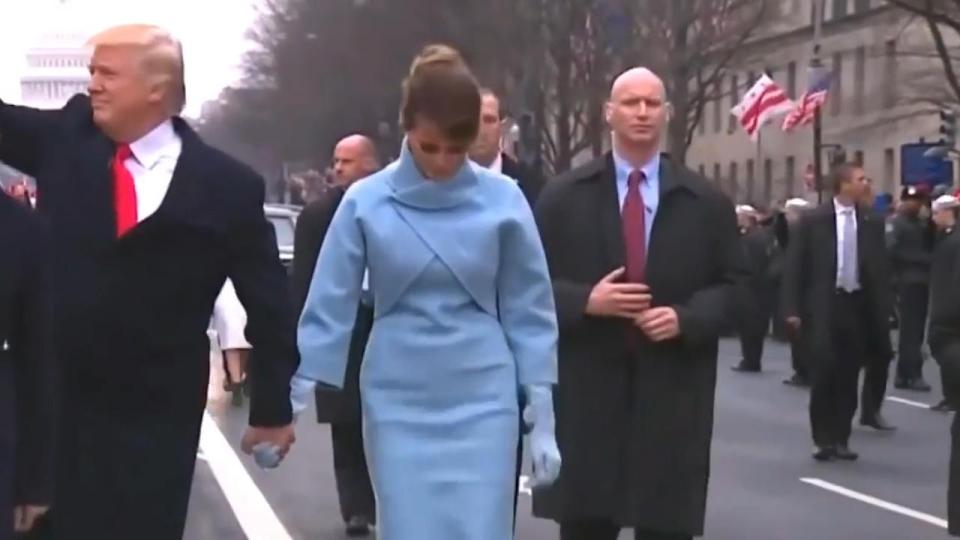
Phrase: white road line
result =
(917, 404)
(879, 503)
(254, 513)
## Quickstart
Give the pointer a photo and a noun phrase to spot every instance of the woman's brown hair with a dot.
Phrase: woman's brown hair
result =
(441, 89)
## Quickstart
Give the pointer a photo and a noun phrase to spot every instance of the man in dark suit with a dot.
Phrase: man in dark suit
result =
(147, 223)
(354, 157)
(639, 328)
(945, 347)
(836, 293)
(753, 302)
(27, 370)
(486, 150)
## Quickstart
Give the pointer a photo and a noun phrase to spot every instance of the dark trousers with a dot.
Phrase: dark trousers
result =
(833, 392)
(875, 375)
(798, 356)
(350, 468)
(606, 530)
(912, 304)
(754, 327)
(953, 491)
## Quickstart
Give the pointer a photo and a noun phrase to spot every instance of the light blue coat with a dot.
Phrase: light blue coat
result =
(464, 315)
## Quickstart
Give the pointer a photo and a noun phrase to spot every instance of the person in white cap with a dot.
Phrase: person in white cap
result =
(945, 211)
(754, 307)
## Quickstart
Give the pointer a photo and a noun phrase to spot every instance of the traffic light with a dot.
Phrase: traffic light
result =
(948, 127)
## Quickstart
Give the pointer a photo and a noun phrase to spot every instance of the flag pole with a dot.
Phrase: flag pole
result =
(816, 67)
(759, 166)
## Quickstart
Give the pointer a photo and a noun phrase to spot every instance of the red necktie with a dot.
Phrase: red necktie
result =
(634, 229)
(124, 191)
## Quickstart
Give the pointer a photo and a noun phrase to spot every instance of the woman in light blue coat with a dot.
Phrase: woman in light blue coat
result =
(464, 321)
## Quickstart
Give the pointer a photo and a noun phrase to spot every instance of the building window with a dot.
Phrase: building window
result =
(718, 108)
(858, 158)
(716, 173)
(839, 9)
(734, 98)
(889, 169)
(750, 181)
(767, 182)
(792, 80)
(732, 182)
(790, 176)
(836, 90)
(859, 76)
(859, 6)
(890, 74)
(702, 169)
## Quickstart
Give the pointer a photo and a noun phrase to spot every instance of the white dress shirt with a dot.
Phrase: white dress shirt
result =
(230, 319)
(842, 211)
(152, 164)
(497, 165)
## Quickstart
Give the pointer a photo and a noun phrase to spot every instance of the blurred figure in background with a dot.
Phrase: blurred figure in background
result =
(230, 322)
(754, 300)
(945, 213)
(785, 231)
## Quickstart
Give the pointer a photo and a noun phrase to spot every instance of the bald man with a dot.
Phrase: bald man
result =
(147, 223)
(354, 158)
(645, 260)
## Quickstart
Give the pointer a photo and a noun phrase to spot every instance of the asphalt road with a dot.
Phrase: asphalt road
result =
(764, 485)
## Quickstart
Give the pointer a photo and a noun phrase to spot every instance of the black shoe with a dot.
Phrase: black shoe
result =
(842, 451)
(824, 453)
(877, 422)
(358, 526)
(918, 385)
(943, 406)
(744, 367)
(797, 380)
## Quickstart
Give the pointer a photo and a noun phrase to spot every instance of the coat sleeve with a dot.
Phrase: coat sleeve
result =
(703, 317)
(261, 285)
(570, 296)
(24, 134)
(525, 298)
(36, 374)
(230, 319)
(312, 226)
(330, 311)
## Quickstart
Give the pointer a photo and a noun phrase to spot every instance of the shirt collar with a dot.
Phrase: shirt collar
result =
(843, 208)
(497, 165)
(651, 170)
(156, 144)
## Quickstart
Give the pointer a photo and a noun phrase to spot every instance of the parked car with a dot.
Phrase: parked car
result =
(283, 217)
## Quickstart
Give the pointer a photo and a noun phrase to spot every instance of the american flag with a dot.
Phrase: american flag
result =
(763, 101)
(812, 99)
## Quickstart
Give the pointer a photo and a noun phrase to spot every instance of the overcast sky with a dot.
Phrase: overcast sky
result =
(212, 31)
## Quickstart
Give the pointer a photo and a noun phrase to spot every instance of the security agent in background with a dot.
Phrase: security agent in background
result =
(785, 230)
(911, 253)
(754, 301)
(945, 212)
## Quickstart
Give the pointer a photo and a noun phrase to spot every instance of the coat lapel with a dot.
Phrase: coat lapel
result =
(94, 157)
(608, 209)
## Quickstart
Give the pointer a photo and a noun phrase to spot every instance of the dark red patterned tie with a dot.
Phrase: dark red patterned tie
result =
(634, 229)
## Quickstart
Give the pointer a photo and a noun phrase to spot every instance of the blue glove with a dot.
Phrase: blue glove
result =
(267, 455)
(301, 391)
(538, 415)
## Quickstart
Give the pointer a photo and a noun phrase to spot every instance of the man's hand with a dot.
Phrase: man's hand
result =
(611, 299)
(794, 324)
(236, 361)
(281, 437)
(659, 324)
(26, 516)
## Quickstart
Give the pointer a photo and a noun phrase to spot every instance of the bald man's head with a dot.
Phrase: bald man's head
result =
(136, 79)
(354, 157)
(637, 110)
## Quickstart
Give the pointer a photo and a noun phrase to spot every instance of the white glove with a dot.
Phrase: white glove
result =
(544, 451)
(301, 391)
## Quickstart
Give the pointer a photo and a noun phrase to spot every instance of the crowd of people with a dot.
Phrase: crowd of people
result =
(451, 304)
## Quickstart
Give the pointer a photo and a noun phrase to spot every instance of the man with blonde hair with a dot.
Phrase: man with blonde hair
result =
(147, 223)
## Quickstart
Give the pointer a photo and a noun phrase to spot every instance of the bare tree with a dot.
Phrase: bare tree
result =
(942, 18)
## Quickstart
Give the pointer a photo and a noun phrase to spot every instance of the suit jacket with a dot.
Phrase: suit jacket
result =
(133, 312)
(810, 277)
(530, 180)
(634, 425)
(27, 368)
(333, 405)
